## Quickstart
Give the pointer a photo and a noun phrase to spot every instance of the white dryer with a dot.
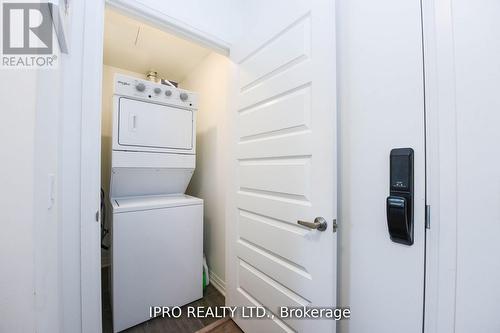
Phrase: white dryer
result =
(157, 230)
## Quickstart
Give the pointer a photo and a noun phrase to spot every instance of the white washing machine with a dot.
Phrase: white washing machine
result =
(157, 230)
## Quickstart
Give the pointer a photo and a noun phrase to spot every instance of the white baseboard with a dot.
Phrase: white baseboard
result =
(218, 283)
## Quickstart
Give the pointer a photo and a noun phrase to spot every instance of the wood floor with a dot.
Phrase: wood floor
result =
(225, 325)
(212, 297)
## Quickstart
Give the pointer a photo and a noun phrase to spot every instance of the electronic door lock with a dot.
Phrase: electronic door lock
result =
(400, 202)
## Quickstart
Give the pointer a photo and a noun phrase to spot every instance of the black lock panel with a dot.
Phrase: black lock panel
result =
(400, 202)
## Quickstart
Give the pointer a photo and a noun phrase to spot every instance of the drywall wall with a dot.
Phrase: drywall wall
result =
(30, 237)
(139, 47)
(477, 62)
(48, 237)
(210, 80)
(219, 18)
(17, 202)
(462, 74)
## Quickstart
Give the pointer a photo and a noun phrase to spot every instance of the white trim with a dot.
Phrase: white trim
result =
(170, 24)
(441, 238)
(90, 165)
(69, 195)
(217, 282)
(230, 228)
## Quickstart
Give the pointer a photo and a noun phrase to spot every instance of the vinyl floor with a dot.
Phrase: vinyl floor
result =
(211, 297)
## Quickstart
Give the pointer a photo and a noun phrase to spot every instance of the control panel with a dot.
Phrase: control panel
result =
(161, 93)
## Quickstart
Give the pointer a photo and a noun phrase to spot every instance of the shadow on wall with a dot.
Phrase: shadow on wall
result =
(105, 176)
(204, 181)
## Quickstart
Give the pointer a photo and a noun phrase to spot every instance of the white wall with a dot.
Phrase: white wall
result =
(476, 30)
(462, 78)
(210, 80)
(17, 277)
(30, 237)
(40, 243)
(219, 18)
(48, 232)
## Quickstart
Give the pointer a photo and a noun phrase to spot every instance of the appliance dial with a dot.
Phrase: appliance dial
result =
(157, 90)
(140, 87)
(168, 93)
(183, 96)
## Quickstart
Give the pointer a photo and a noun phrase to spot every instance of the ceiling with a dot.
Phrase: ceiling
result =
(132, 45)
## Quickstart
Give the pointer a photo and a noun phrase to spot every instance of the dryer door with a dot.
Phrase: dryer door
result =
(154, 127)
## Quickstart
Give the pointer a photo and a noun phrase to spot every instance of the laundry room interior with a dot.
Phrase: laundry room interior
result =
(168, 65)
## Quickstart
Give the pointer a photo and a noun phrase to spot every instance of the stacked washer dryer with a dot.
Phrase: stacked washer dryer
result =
(157, 230)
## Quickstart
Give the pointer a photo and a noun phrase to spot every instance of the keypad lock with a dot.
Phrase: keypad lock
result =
(400, 201)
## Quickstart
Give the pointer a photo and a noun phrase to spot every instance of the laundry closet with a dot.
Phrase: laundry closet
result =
(164, 104)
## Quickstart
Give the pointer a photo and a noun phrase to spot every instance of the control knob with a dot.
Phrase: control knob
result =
(168, 93)
(157, 90)
(183, 96)
(140, 87)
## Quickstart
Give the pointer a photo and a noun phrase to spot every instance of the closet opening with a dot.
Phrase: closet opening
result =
(163, 153)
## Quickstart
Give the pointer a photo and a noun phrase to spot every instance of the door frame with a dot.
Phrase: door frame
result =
(90, 154)
(441, 166)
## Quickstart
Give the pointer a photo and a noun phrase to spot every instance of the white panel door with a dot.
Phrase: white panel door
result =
(381, 89)
(284, 159)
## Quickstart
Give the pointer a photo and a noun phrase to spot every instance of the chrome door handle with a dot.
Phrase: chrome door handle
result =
(318, 224)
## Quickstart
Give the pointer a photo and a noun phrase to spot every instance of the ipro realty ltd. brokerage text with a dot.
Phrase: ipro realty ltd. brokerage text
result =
(284, 312)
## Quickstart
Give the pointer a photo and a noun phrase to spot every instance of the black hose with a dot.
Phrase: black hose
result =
(104, 230)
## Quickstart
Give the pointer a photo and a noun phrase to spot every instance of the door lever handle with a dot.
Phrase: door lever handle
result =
(318, 224)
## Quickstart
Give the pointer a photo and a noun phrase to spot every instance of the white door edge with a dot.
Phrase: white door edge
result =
(441, 238)
(90, 181)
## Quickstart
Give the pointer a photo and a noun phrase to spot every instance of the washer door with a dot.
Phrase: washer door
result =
(156, 126)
